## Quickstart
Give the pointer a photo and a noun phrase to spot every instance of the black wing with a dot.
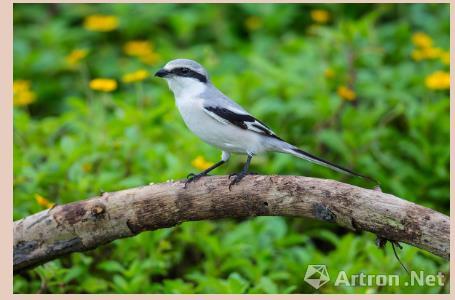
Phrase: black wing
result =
(242, 120)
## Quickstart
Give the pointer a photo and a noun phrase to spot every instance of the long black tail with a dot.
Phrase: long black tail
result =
(320, 161)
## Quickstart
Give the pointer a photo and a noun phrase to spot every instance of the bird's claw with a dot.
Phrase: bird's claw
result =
(194, 177)
(237, 179)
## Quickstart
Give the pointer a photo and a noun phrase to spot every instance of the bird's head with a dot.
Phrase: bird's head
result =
(184, 76)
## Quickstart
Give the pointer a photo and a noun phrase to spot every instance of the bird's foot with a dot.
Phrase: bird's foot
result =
(194, 177)
(246, 173)
(237, 177)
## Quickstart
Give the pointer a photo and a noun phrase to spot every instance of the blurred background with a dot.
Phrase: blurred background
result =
(363, 85)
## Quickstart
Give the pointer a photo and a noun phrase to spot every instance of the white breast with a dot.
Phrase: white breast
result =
(191, 111)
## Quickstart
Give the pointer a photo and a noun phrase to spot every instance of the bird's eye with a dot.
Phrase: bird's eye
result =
(185, 70)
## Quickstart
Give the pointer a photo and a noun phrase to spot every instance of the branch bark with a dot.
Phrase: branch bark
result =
(85, 225)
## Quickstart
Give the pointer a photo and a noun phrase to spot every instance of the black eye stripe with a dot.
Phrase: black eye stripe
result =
(182, 71)
(186, 72)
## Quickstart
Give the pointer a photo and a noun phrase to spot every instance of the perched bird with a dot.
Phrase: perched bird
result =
(221, 122)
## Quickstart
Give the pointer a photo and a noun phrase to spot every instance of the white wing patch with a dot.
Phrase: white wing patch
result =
(259, 127)
(238, 118)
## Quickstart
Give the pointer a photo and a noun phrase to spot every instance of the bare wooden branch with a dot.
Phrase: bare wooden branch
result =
(85, 225)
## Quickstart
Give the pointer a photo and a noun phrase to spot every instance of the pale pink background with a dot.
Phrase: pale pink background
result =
(6, 165)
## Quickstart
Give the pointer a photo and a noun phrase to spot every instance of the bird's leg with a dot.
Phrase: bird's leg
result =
(241, 174)
(193, 177)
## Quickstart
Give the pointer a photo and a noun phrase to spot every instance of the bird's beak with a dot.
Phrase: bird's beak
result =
(161, 73)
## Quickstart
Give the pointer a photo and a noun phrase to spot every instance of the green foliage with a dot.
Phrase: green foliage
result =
(72, 142)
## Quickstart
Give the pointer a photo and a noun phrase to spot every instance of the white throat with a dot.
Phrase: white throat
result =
(185, 87)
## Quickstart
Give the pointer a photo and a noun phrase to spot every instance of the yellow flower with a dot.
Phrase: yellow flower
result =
(346, 93)
(138, 75)
(320, 16)
(253, 23)
(422, 40)
(76, 56)
(21, 85)
(150, 59)
(138, 48)
(329, 73)
(24, 98)
(438, 80)
(428, 53)
(22, 95)
(143, 50)
(425, 49)
(43, 201)
(432, 53)
(200, 163)
(445, 57)
(101, 23)
(103, 84)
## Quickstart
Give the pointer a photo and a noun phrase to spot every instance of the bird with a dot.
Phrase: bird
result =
(224, 124)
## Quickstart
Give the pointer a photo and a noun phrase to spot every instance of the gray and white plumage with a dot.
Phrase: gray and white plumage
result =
(221, 122)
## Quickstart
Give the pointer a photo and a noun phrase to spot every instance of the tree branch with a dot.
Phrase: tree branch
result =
(85, 225)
